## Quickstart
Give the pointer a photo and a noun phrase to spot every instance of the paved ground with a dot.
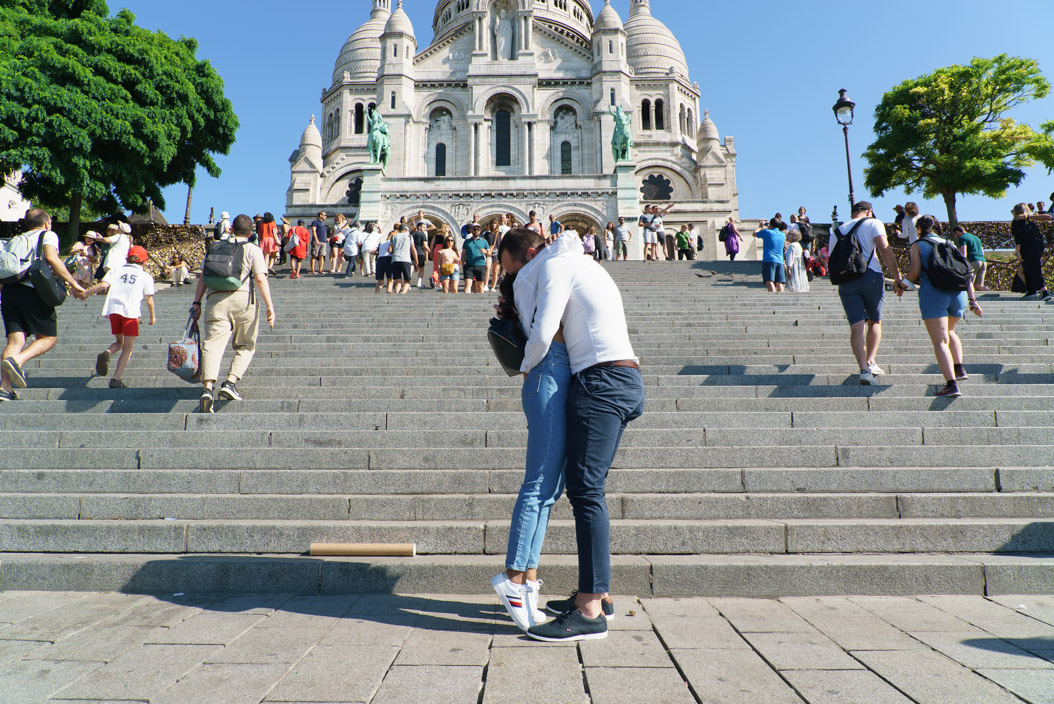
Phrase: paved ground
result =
(176, 649)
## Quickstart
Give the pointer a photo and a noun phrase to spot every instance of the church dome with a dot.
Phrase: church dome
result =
(361, 55)
(311, 136)
(708, 130)
(650, 45)
(399, 22)
(608, 19)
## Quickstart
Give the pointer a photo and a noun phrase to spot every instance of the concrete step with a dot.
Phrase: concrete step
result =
(759, 576)
(628, 536)
(470, 507)
(313, 482)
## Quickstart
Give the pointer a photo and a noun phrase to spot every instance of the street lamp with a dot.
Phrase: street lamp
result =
(843, 113)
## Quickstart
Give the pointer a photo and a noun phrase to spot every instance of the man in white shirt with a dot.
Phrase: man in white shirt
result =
(23, 311)
(352, 238)
(607, 393)
(862, 298)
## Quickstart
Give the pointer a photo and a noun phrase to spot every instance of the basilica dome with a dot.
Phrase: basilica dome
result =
(650, 46)
(361, 55)
(399, 22)
(608, 19)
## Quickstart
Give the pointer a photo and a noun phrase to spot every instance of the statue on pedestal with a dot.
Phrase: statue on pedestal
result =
(502, 35)
(622, 140)
(378, 143)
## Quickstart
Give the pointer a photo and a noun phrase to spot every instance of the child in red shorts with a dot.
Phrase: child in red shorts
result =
(126, 287)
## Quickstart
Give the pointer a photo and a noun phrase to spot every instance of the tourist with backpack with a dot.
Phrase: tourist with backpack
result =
(857, 271)
(126, 287)
(945, 290)
(1030, 245)
(232, 275)
(731, 238)
(773, 238)
(29, 264)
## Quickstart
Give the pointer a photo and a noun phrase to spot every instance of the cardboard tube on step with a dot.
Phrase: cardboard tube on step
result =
(364, 549)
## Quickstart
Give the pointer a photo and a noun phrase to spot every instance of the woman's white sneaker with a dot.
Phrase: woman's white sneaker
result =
(514, 598)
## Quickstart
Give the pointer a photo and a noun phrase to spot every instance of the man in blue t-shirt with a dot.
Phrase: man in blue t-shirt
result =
(474, 255)
(772, 238)
(319, 244)
(555, 226)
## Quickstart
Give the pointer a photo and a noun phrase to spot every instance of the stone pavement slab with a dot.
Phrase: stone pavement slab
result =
(335, 674)
(844, 687)
(430, 684)
(528, 675)
(390, 649)
(203, 684)
(1033, 687)
(632, 685)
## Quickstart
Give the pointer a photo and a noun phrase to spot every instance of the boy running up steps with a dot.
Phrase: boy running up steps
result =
(125, 287)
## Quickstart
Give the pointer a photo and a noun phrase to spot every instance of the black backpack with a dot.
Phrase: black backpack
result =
(846, 261)
(222, 269)
(806, 233)
(948, 269)
(723, 235)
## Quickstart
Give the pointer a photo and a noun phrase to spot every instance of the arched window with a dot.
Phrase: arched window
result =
(360, 119)
(393, 100)
(566, 167)
(691, 124)
(440, 159)
(503, 138)
(660, 115)
(645, 115)
(336, 126)
(372, 106)
(395, 50)
(611, 47)
(612, 97)
(684, 122)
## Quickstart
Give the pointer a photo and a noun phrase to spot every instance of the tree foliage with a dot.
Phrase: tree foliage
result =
(947, 134)
(97, 110)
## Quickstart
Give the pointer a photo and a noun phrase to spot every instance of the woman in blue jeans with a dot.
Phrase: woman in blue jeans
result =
(941, 310)
(544, 398)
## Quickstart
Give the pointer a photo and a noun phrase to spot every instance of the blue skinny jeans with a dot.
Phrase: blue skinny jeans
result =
(544, 398)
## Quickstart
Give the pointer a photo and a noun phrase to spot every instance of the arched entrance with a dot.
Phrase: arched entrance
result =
(580, 223)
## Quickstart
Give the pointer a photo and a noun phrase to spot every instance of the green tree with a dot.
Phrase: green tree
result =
(100, 113)
(947, 134)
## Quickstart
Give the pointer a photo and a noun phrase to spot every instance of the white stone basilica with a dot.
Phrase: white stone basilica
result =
(509, 110)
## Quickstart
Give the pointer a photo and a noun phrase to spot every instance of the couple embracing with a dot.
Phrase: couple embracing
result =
(582, 385)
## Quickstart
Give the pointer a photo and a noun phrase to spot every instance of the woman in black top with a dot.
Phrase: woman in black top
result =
(1030, 245)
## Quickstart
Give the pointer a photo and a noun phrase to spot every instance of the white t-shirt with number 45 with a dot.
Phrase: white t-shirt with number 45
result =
(129, 284)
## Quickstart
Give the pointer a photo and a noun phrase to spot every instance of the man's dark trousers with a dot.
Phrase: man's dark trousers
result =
(602, 400)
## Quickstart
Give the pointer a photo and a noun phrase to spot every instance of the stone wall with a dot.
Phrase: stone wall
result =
(160, 241)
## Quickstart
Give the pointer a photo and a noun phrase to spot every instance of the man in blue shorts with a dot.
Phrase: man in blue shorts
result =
(772, 238)
(862, 298)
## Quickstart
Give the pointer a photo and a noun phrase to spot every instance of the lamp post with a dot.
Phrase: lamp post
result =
(843, 113)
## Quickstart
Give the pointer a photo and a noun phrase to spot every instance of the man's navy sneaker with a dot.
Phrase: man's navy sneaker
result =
(558, 606)
(570, 625)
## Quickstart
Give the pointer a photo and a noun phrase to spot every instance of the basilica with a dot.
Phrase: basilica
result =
(511, 108)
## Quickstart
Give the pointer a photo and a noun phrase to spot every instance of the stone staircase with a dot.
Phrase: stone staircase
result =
(760, 468)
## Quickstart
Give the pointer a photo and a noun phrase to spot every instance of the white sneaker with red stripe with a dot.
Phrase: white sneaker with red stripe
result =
(514, 598)
(536, 614)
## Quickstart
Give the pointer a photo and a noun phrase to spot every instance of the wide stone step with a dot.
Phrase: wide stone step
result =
(512, 420)
(628, 536)
(442, 440)
(759, 576)
(469, 507)
(314, 482)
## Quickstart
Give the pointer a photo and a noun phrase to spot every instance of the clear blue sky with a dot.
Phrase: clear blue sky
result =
(769, 72)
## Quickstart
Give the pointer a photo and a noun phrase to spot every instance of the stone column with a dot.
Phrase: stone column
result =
(370, 196)
(629, 204)
(525, 148)
(530, 149)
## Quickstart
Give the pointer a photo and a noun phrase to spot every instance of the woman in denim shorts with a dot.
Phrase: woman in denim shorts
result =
(941, 310)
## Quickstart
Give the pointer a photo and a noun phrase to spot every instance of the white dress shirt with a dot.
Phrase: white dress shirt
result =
(562, 286)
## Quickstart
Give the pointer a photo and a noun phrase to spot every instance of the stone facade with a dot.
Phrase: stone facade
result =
(508, 111)
(12, 205)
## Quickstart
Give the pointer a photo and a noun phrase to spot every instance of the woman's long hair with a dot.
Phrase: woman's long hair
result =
(508, 304)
